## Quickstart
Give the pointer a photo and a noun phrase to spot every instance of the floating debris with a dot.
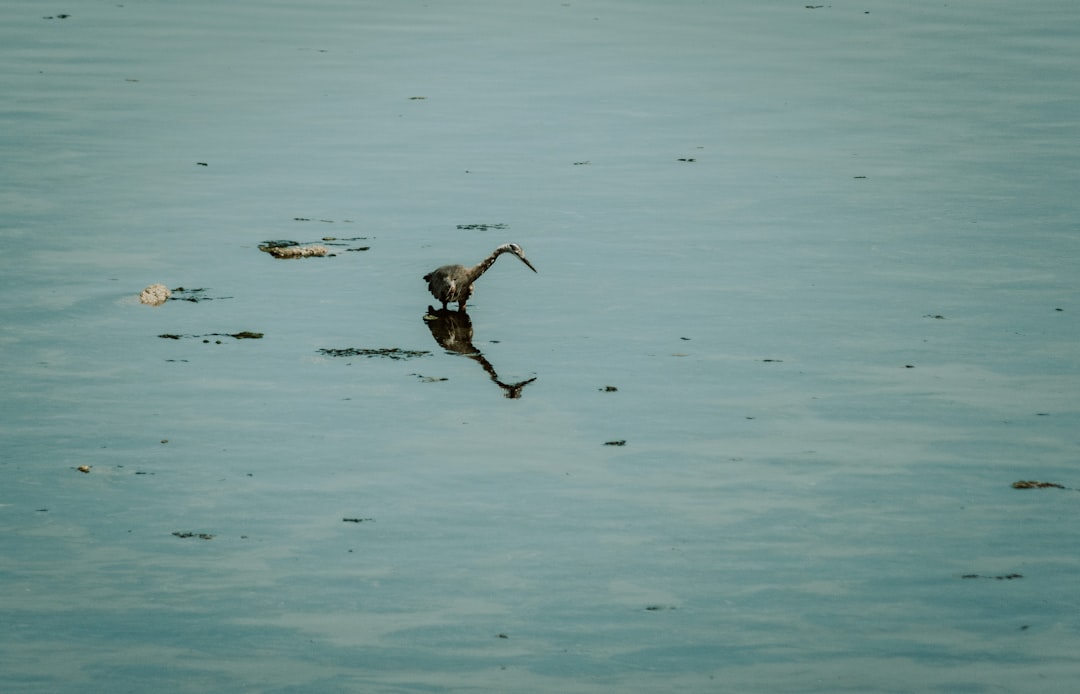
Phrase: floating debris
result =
(1005, 577)
(609, 389)
(193, 295)
(358, 520)
(186, 534)
(1035, 484)
(620, 442)
(242, 335)
(295, 250)
(155, 295)
(388, 352)
(481, 227)
(84, 469)
(430, 379)
(315, 251)
(283, 243)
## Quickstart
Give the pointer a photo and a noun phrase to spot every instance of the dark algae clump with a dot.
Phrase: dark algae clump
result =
(388, 352)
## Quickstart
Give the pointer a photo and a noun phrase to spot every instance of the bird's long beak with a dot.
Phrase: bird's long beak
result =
(527, 263)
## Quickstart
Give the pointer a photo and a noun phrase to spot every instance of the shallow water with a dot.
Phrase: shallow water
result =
(827, 256)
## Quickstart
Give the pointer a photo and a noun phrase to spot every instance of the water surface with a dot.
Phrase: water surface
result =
(827, 257)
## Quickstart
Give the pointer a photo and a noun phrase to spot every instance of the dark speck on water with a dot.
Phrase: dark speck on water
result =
(187, 534)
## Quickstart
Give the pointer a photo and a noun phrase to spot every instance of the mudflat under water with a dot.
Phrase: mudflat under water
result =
(805, 312)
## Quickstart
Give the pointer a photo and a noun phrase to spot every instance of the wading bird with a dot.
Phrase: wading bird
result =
(451, 283)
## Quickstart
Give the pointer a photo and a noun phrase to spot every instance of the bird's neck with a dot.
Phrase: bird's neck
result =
(481, 267)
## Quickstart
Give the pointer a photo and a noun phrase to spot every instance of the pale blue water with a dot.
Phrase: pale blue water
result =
(747, 217)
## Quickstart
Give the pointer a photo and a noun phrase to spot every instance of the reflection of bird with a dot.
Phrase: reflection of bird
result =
(453, 331)
(451, 283)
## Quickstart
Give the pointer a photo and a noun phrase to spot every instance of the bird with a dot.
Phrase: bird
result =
(454, 283)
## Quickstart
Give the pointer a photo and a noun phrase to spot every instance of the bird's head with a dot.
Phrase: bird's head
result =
(516, 250)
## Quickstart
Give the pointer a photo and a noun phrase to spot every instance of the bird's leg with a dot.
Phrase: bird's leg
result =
(461, 305)
(444, 305)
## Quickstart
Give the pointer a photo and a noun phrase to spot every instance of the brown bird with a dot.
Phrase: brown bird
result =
(451, 283)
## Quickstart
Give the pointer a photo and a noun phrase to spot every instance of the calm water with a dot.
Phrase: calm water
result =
(828, 257)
